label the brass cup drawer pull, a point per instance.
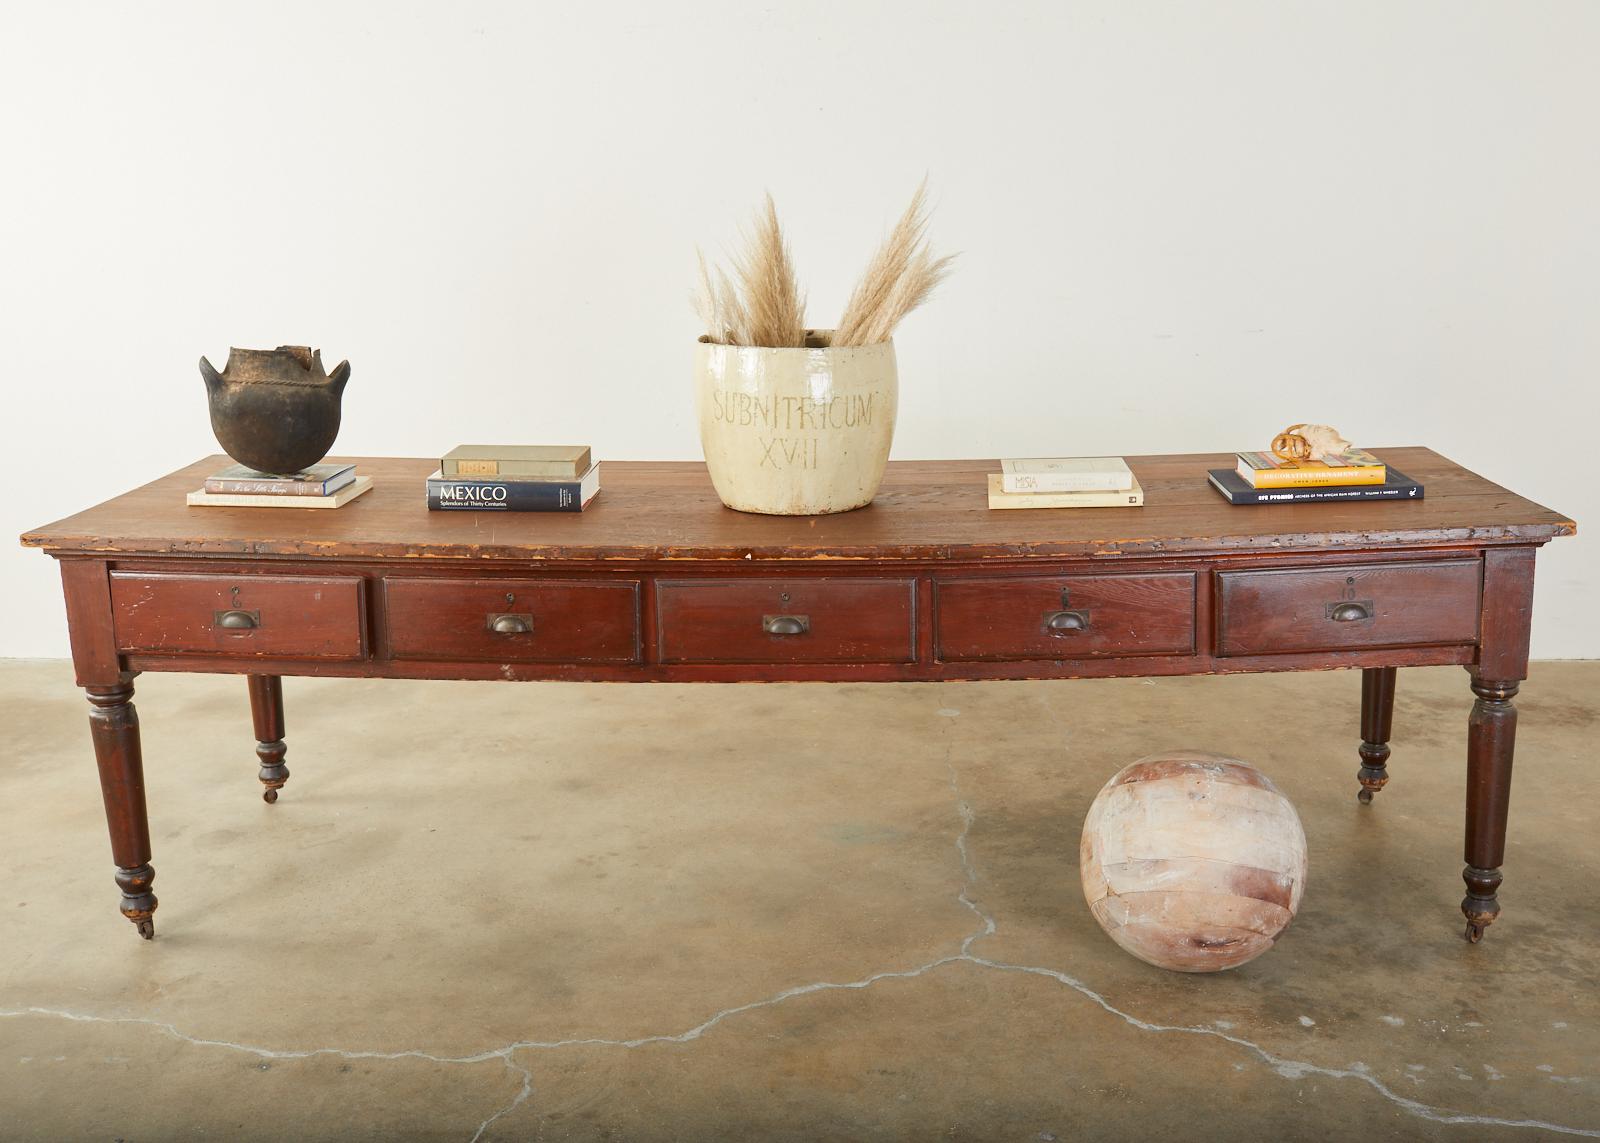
(1351, 611)
(236, 619)
(1067, 622)
(511, 623)
(786, 624)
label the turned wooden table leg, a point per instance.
(114, 726)
(1491, 740)
(266, 711)
(1377, 719)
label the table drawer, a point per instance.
(1345, 607)
(787, 620)
(1064, 616)
(289, 616)
(512, 620)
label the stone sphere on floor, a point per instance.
(1192, 861)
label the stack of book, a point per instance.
(320, 486)
(1354, 474)
(1065, 482)
(514, 478)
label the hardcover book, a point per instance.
(487, 494)
(1066, 474)
(201, 498)
(559, 462)
(1124, 498)
(1237, 490)
(318, 480)
(1352, 466)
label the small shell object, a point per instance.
(1308, 442)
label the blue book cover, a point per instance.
(487, 494)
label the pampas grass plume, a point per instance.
(761, 304)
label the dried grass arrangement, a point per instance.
(760, 303)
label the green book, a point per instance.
(548, 462)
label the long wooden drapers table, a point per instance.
(657, 581)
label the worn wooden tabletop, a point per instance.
(925, 509)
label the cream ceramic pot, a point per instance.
(796, 432)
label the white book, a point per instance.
(1092, 498)
(201, 498)
(1066, 474)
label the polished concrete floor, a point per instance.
(561, 911)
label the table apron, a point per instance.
(822, 621)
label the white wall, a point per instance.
(1182, 227)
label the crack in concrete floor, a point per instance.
(1282, 1066)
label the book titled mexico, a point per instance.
(1237, 490)
(482, 494)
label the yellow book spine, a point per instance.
(1314, 477)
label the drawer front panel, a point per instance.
(787, 621)
(512, 620)
(290, 616)
(1350, 607)
(1064, 617)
